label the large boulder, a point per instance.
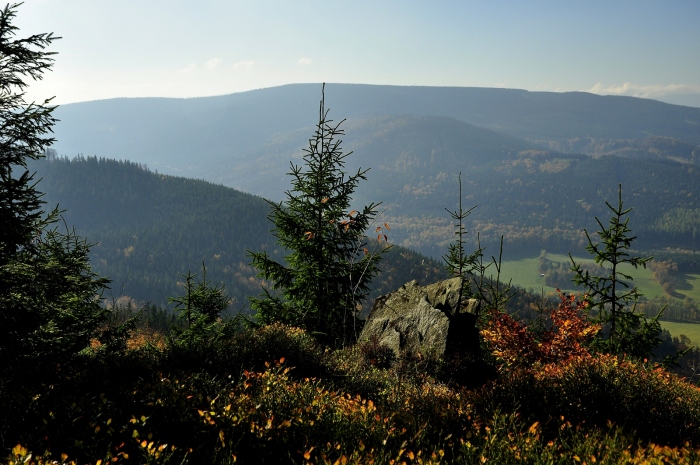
(432, 320)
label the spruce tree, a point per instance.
(24, 133)
(326, 274)
(457, 262)
(612, 297)
(49, 297)
(200, 308)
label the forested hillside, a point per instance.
(149, 229)
(540, 166)
(536, 198)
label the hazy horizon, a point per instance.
(173, 49)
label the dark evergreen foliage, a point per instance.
(49, 297)
(611, 295)
(329, 267)
(200, 310)
(24, 134)
(150, 228)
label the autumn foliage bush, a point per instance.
(515, 344)
(335, 408)
(552, 373)
(645, 400)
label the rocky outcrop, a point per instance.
(432, 320)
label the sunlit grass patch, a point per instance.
(691, 330)
(693, 280)
(524, 273)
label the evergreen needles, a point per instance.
(612, 296)
(49, 297)
(329, 267)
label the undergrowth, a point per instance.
(272, 395)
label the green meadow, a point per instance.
(524, 273)
(691, 286)
(691, 330)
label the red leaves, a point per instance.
(511, 342)
(514, 344)
(573, 328)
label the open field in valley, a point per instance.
(691, 330)
(524, 273)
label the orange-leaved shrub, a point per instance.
(514, 344)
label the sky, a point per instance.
(177, 48)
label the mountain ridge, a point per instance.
(165, 133)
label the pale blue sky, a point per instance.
(177, 48)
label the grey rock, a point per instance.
(432, 320)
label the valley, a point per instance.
(537, 167)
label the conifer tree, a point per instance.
(49, 297)
(329, 267)
(200, 308)
(24, 133)
(457, 262)
(611, 296)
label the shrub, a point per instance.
(515, 344)
(376, 354)
(650, 402)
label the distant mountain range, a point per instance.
(540, 165)
(187, 136)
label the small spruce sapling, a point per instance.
(471, 267)
(494, 293)
(611, 296)
(457, 262)
(200, 309)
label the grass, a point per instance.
(693, 283)
(691, 330)
(524, 273)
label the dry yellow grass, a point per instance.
(143, 337)
(140, 338)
